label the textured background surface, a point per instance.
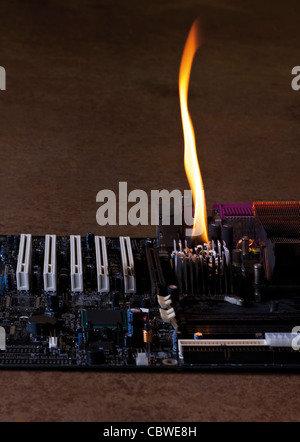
(92, 100)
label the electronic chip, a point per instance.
(103, 318)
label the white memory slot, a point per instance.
(24, 262)
(102, 264)
(50, 269)
(76, 264)
(128, 265)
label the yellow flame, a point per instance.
(191, 164)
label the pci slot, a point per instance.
(102, 264)
(200, 343)
(50, 267)
(76, 264)
(128, 265)
(24, 262)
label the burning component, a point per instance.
(226, 301)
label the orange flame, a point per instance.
(191, 164)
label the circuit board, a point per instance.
(91, 302)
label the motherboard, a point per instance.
(93, 302)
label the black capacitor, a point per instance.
(258, 273)
(214, 232)
(227, 235)
(245, 246)
(95, 355)
(173, 290)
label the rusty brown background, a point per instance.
(92, 100)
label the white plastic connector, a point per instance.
(128, 265)
(102, 264)
(169, 316)
(219, 342)
(236, 300)
(142, 359)
(53, 342)
(76, 264)
(280, 339)
(164, 301)
(50, 268)
(24, 262)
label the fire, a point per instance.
(191, 164)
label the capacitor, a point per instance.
(227, 235)
(95, 355)
(245, 246)
(258, 273)
(135, 319)
(173, 290)
(214, 232)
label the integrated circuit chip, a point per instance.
(103, 318)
